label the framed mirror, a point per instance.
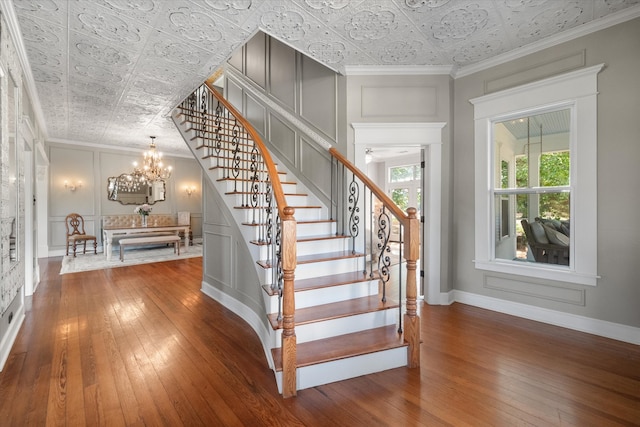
(131, 190)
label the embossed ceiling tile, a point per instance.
(455, 22)
(173, 50)
(107, 26)
(144, 11)
(42, 33)
(603, 8)
(199, 26)
(88, 70)
(234, 11)
(54, 11)
(162, 71)
(542, 22)
(477, 49)
(91, 48)
(371, 22)
(328, 11)
(45, 58)
(78, 87)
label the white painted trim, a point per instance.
(397, 70)
(429, 137)
(10, 337)
(576, 90)
(589, 325)
(246, 314)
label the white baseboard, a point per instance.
(602, 328)
(246, 314)
(10, 337)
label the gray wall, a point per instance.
(93, 166)
(410, 99)
(616, 296)
(293, 102)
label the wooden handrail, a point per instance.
(288, 249)
(278, 192)
(386, 200)
(411, 238)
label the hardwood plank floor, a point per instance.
(141, 345)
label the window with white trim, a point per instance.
(535, 167)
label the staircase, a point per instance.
(343, 326)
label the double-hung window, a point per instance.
(536, 180)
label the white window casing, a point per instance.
(576, 90)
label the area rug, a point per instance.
(87, 262)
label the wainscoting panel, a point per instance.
(395, 101)
(283, 139)
(219, 268)
(315, 165)
(560, 294)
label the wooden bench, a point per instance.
(149, 240)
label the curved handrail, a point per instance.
(278, 192)
(382, 196)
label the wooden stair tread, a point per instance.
(317, 221)
(232, 193)
(264, 207)
(248, 180)
(332, 280)
(343, 346)
(336, 310)
(322, 237)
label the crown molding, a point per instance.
(573, 33)
(397, 70)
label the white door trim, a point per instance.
(427, 136)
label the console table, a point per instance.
(108, 232)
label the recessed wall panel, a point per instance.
(399, 101)
(256, 115)
(282, 73)
(318, 96)
(234, 94)
(536, 290)
(283, 139)
(256, 59)
(316, 166)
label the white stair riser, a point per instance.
(322, 246)
(338, 370)
(307, 214)
(317, 269)
(343, 325)
(292, 199)
(328, 295)
(310, 247)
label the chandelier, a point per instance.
(152, 169)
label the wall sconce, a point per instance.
(190, 189)
(72, 186)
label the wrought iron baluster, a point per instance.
(354, 209)
(384, 260)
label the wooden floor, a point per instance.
(141, 345)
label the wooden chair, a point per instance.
(184, 218)
(75, 233)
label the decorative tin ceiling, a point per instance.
(110, 71)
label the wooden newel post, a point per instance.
(411, 318)
(289, 354)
